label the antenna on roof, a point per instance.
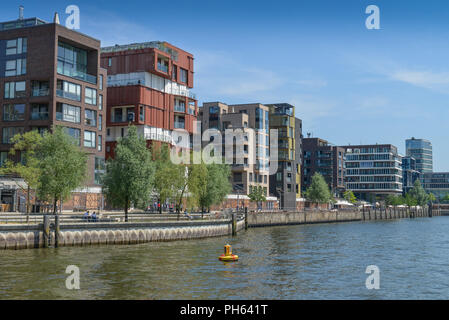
(21, 12)
(308, 134)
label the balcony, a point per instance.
(40, 92)
(179, 125)
(39, 116)
(76, 74)
(180, 108)
(68, 95)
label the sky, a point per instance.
(350, 85)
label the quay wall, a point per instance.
(113, 233)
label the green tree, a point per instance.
(419, 194)
(129, 176)
(445, 198)
(28, 168)
(257, 195)
(349, 196)
(318, 192)
(410, 200)
(209, 184)
(62, 166)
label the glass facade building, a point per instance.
(421, 150)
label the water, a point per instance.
(322, 261)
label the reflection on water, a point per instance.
(323, 261)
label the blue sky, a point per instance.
(349, 84)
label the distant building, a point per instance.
(436, 183)
(409, 173)
(286, 183)
(319, 156)
(421, 150)
(373, 171)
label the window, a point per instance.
(13, 112)
(90, 118)
(40, 88)
(3, 157)
(15, 67)
(162, 65)
(237, 177)
(40, 130)
(15, 90)
(90, 96)
(9, 132)
(89, 139)
(99, 169)
(72, 62)
(66, 112)
(214, 110)
(16, 46)
(74, 133)
(142, 114)
(183, 73)
(100, 143)
(101, 82)
(39, 111)
(100, 122)
(175, 73)
(68, 90)
(100, 102)
(110, 62)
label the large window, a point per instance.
(40, 88)
(90, 96)
(183, 74)
(89, 139)
(90, 118)
(9, 132)
(15, 90)
(39, 111)
(142, 114)
(15, 67)
(16, 46)
(72, 62)
(3, 157)
(99, 169)
(68, 90)
(162, 65)
(13, 112)
(74, 133)
(66, 112)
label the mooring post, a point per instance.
(234, 224)
(57, 228)
(46, 230)
(246, 218)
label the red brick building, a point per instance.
(149, 86)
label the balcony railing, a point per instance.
(179, 125)
(39, 116)
(179, 108)
(40, 92)
(68, 95)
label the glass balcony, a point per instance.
(180, 108)
(68, 95)
(179, 125)
(39, 116)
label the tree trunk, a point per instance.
(54, 204)
(28, 204)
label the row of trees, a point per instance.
(417, 196)
(51, 164)
(137, 173)
(319, 192)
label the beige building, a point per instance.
(250, 151)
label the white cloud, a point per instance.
(424, 79)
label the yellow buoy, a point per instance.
(228, 256)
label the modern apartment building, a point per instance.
(373, 171)
(409, 172)
(286, 183)
(149, 86)
(50, 75)
(421, 150)
(436, 183)
(253, 121)
(326, 159)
